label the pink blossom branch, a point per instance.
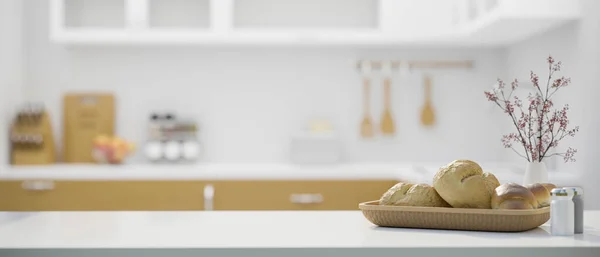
(547, 148)
(537, 131)
(517, 152)
(510, 113)
(567, 156)
(540, 122)
(494, 98)
(529, 127)
(559, 83)
(550, 72)
(551, 142)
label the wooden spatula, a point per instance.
(387, 121)
(427, 112)
(366, 126)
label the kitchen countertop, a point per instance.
(416, 173)
(197, 230)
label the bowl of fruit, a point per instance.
(111, 150)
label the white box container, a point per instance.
(315, 148)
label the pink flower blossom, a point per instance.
(490, 96)
(534, 154)
(534, 79)
(508, 107)
(500, 84)
(514, 84)
(556, 66)
(535, 102)
(569, 154)
(572, 132)
(523, 121)
(507, 140)
(561, 82)
(547, 105)
(518, 102)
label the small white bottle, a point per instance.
(562, 212)
(191, 150)
(172, 150)
(154, 150)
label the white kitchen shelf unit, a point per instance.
(304, 22)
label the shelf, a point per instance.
(460, 23)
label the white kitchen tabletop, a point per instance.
(259, 230)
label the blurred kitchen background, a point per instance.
(273, 90)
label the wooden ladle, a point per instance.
(387, 121)
(366, 125)
(427, 112)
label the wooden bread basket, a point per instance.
(454, 218)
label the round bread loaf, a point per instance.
(549, 186)
(463, 184)
(541, 193)
(406, 194)
(513, 196)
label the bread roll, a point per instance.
(541, 193)
(549, 186)
(405, 194)
(513, 196)
(463, 184)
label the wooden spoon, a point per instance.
(366, 126)
(387, 121)
(427, 112)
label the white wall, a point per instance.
(11, 67)
(251, 100)
(576, 45)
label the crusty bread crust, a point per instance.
(513, 196)
(463, 184)
(541, 193)
(406, 194)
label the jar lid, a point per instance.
(562, 192)
(577, 190)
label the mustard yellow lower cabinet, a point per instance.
(296, 195)
(44, 195)
(100, 195)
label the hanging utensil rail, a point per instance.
(397, 64)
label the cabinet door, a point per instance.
(296, 195)
(100, 195)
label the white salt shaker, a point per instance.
(562, 212)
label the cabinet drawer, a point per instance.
(100, 195)
(296, 195)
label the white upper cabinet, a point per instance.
(306, 22)
(501, 22)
